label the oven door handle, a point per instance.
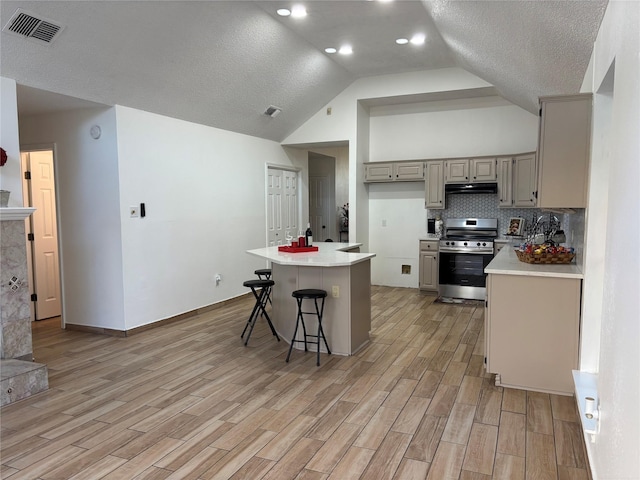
(466, 251)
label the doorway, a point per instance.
(42, 232)
(322, 197)
(282, 205)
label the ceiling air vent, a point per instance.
(27, 25)
(272, 111)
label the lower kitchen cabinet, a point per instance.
(428, 271)
(532, 331)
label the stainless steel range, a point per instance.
(465, 250)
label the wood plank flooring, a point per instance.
(189, 401)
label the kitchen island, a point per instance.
(532, 323)
(345, 274)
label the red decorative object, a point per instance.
(3, 156)
(290, 249)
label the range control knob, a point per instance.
(478, 243)
(465, 244)
(484, 244)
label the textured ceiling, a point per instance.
(222, 63)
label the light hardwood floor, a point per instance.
(189, 401)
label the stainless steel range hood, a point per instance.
(471, 188)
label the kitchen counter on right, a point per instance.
(507, 263)
(532, 323)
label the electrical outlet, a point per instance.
(134, 212)
(335, 291)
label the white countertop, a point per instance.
(329, 254)
(507, 263)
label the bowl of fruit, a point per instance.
(545, 253)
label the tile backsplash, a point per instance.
(486, 206)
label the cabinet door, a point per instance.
(456, 171)
(565, 136)
(524, 180)
(434, 185)
(378, 172)
(428, 271)
(408, 171)
(505, 182)
(483, 169)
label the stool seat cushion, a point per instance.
(259, 283)
(309, 293)
(263, 271)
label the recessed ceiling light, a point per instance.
(346, 50)
(418, 39)
(402, 41)
(330, 50)
(283, 12)
(298, 11)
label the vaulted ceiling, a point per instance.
(222, 63)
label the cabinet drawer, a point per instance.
(429, 245)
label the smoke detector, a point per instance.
(272, 111)
(27, 25)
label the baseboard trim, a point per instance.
(127, 333)
(97, 330)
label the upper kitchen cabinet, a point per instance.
(524, 180)
(404, 171)
(482, 169)
(408, 171)
(456, 170)
(434, 184)
(505, 181)
(464, 170)
(517, 180)
(565, 136)
(378, 172)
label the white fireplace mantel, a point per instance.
(15, 213)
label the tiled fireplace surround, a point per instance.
(20, 377)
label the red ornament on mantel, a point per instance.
(3, 157)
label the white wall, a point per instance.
(614, 454)
(88, 212)
(204, 191)
(10, 178)
(451, 129)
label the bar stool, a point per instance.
(266, 273)
(311, 294)
(261, 300)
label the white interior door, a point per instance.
(291, 203)
(44, 246)
(282, 205)
(320, 208)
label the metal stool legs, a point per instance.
(266, 273)
(300, 320)
(259, 307)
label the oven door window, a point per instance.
(464, 269)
